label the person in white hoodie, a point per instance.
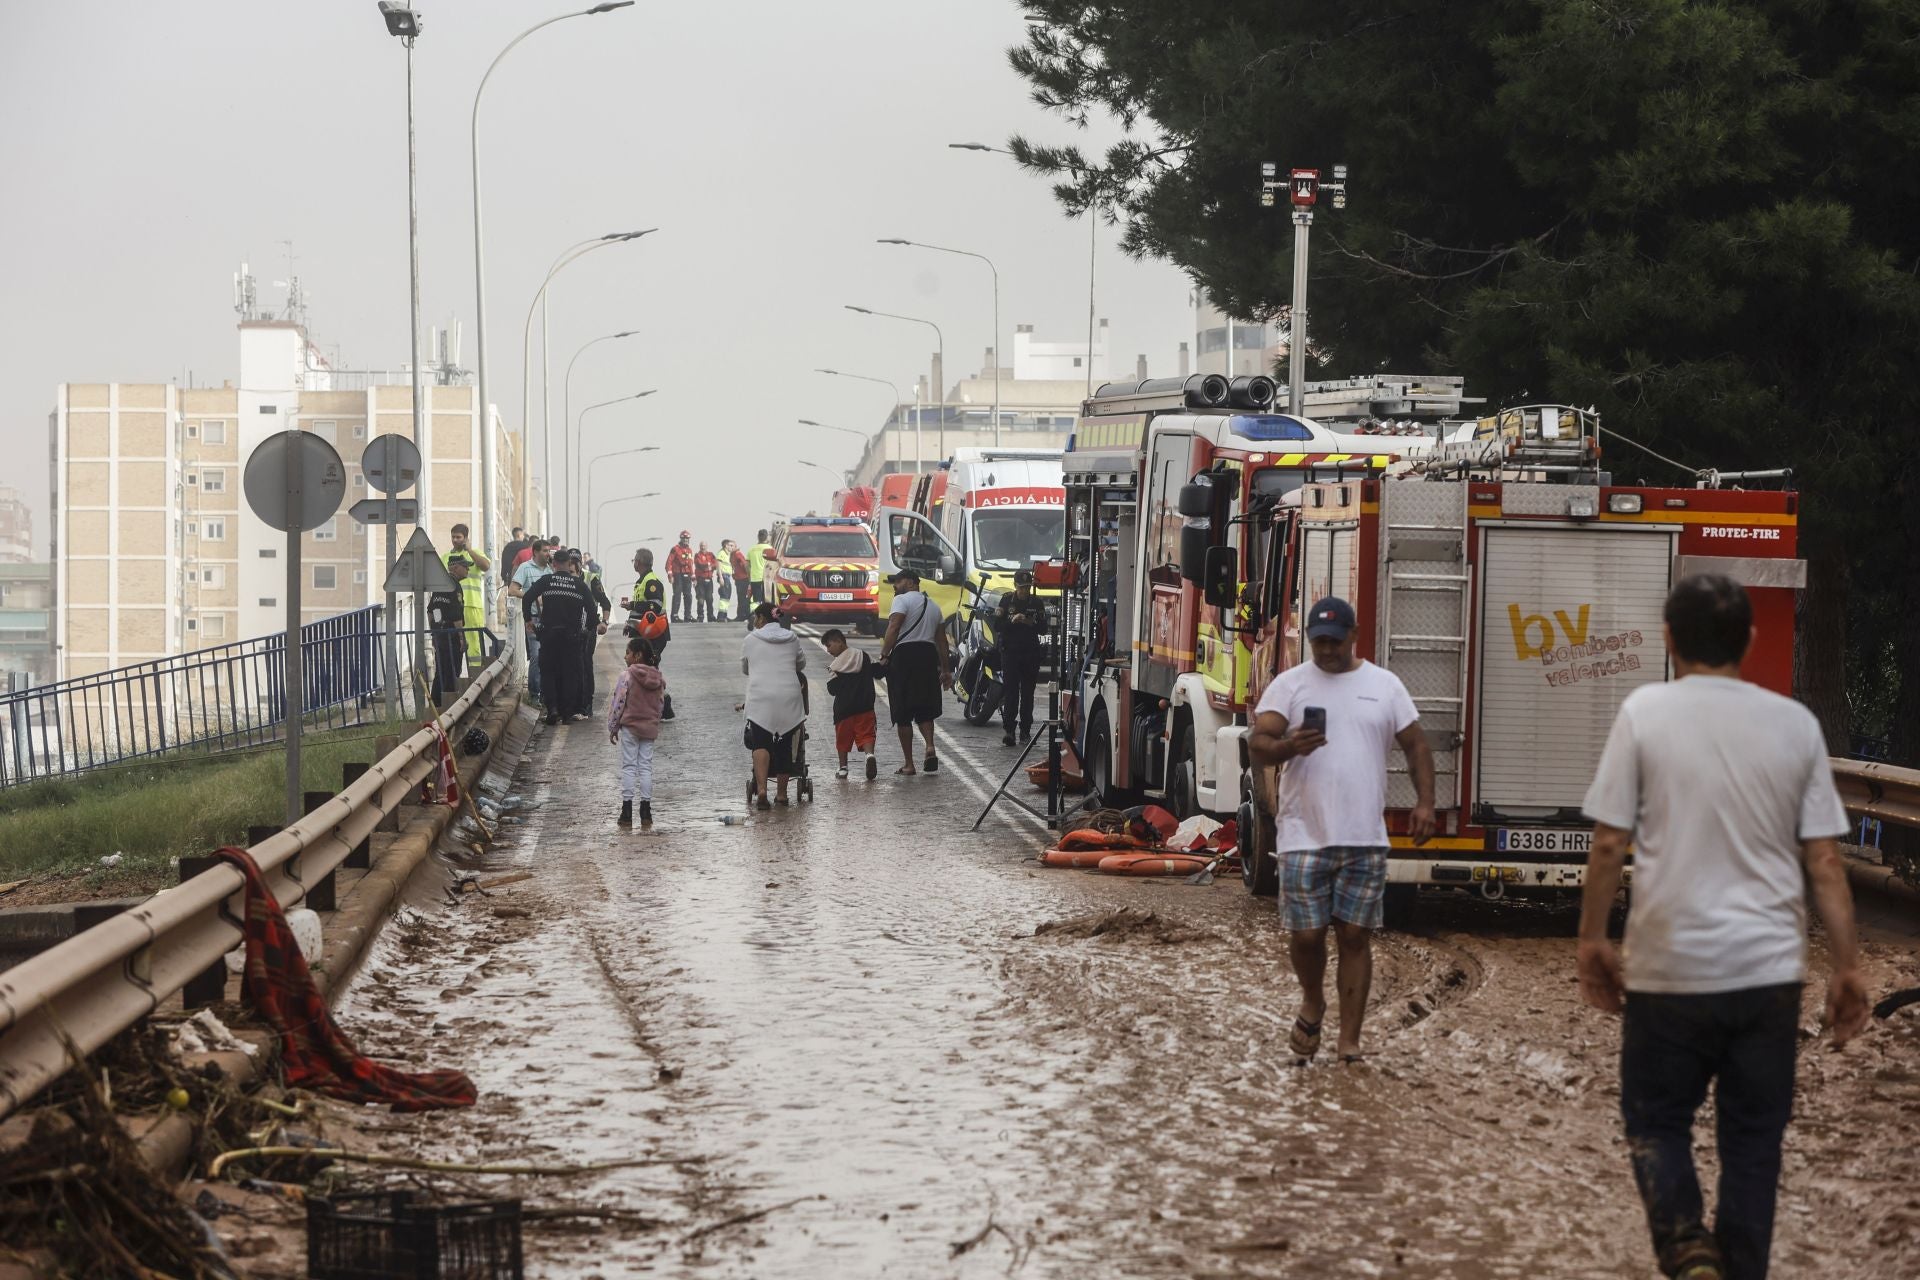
(776, 705)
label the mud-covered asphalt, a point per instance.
(839, 1018)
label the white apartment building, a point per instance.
(154, 548)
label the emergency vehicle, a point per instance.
(827, 571)
(1493, 566)
(987, 514)
(856, 501)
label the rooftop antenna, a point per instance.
(244, 300)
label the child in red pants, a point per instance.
(852, 673)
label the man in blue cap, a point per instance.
(1330, 723)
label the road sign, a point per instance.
(374, 510)
(390, 464)
(297, 492)
(419, 569)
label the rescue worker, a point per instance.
(680, 574)
(588, 570)
(565, 606)
(704, 563)
(742, 601)
(446, 614)
(647, 615)
(1017, 624)
(758, 557)
(473, 613)
(460, 547)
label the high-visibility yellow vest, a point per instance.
(473, 612)
(757, 561)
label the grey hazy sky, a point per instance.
(149, 147)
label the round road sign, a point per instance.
(390, 464)
(295, 481)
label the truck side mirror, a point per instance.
(1196, 540)
(948, 572)
(1196, 498)
(1220, 583)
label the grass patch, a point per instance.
(153, 813)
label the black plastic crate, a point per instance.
(388, 1235)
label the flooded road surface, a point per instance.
(837, 1033)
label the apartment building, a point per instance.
(154, 548)
(16, 527)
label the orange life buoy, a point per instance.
(1081, 859)
(1152, 864)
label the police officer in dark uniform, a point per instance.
(596, 625)
(567, 614)
(1017, 623)
(446, 617)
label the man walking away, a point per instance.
(915, 652)
(680, 574)
(446, 616)
(1331, 722)
(742, 582)
(564, 606)
(510, 555)
(1017, 624)
(537, 565)
(758, 557)
(704, 564)
(1724, 792)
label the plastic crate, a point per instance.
(388, 1235)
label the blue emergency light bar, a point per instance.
(1269, 426)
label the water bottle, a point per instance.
(733, 819)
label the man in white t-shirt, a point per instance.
(1331, 722)
(536, 567)
(1725, 793)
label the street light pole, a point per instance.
(999, 354)
(602, 509)
(602, 457)
(405, 23)
(580, 426)
(571, 452)
(489, 526)
(1303, 187)
(939, 392)
(861, 377)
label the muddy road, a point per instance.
(844, 1034)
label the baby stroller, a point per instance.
(803, 782)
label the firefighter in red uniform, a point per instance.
(703, 567)
(737, 561)
(680, 574)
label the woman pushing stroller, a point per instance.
(776, 705)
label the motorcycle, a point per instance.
(977, 680)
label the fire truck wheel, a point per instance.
(1183, 781)
(1100, 762)
(1258, 870)
(1400, 903)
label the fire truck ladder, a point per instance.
(1425, 597)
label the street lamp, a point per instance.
(580, 427)
(569, 462)
(405, 23)
(489, 526)
(601, 510)
(546, 379)
(861, 377)
(600, 458)
(1093, 230)
(999, 354)
(940, 338)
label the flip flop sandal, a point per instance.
(1350, 1059)
(905, 771)
(1304, 1039)
(762, 804)
(931, 764)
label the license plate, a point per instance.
(1542, 840)
(836, 595)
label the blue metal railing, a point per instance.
(211, 700)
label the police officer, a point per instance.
(566, 610)
(446, 615)
(588, 571)
(1017, 623)
(647, 615)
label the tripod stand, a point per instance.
(1057, 812)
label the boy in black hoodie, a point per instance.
(853, 672)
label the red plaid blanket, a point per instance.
(317, 1053)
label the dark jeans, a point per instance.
(743, 599)
(682, 597)
(534, 665)
(704, 587)
(1672, 1047)
(1018, 677)
(449, 658)
(560, 661)
(588, 644)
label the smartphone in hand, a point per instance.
(1314, 720)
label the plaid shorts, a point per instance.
(1340, 882)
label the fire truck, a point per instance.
(1492, 564)
(855, 500)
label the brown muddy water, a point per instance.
(841, 1019)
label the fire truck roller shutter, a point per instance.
(1570, 624)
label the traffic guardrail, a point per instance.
(98, 983)
(1875, 790)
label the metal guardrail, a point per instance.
(207, 701)
(1882, 791)
(100, 982)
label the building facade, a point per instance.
(16, 527)
(154, 548)
(26, 624)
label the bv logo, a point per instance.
(1533, 633)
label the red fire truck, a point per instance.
(1493, 566)
(856, 501)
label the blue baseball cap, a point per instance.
(1331, 618)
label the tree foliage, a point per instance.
(1697, 217)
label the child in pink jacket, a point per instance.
(633, 722)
